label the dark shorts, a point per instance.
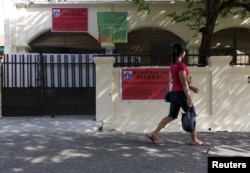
(178, 100)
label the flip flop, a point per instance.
(153, 139)
(201, 143)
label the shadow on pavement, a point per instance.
(112, 152)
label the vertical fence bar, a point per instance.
(66, 70)
(73, 71)
(41, 78)
(28, 70)
(59, 71)
(52, 72)
(80, 70)
(22, 71)
(87, 70)
(14, 70)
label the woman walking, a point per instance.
(180, 94)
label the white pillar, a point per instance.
(104, 90)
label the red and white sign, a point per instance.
(69, 19)
(144, 83)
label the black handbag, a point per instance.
(188, 120)
(167, 96)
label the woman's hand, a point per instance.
(194, 89)
(189, 102)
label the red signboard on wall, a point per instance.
(69, 19)
(144, 83)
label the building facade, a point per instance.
(30, 36)
(28, 28)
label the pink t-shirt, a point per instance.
(175, 68)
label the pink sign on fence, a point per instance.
(144, 83)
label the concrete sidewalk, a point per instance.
(76, 145)
(74, 124)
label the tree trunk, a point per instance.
(204, 51)
(207, 31)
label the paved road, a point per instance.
(75, 145)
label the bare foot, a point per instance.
(198, 143)
(153, 138)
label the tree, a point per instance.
(202, 15)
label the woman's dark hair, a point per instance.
(178, 48)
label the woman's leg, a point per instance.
(161, 125)
(153, 136)
(173, 114)
(194, 139)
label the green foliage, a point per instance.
(142, 5)
(195, 17)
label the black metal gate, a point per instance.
(48, 84)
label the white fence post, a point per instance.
(104, 90)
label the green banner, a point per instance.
(112, 27)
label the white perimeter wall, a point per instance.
(223, 103)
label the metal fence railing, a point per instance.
(32, 70)
(165, 60)
(20, 70)
(68, 70)
(48, 84)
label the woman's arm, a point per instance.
(184, 83)
(170, 82)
